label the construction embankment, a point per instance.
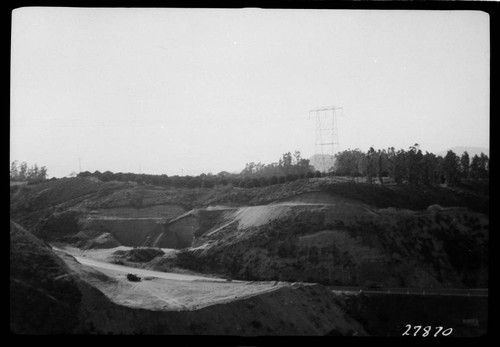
(306, 232)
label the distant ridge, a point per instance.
(472, 151)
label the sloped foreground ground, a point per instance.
(53, 294)
(59, 295)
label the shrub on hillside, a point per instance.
(273, 180)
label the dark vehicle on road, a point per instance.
(133, 278)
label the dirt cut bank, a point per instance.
(318, 230)
(67, 297)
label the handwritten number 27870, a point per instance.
(426, 330)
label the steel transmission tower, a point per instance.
(327, 134)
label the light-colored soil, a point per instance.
(255, 216)
(103, 255)
(259, 215)
(160, 291)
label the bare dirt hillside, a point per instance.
(329, 231)
(316, 230)
(39, 279)
(54, 294)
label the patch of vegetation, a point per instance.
(408, 196)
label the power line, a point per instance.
(327, 134)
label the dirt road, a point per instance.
(162, 291)
(120, 269)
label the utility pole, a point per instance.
(79, 165)
(327, 134)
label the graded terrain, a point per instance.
(246, 261)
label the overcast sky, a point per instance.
(190, 91)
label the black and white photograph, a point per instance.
(249, 172)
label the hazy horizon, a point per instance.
(191, 91)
